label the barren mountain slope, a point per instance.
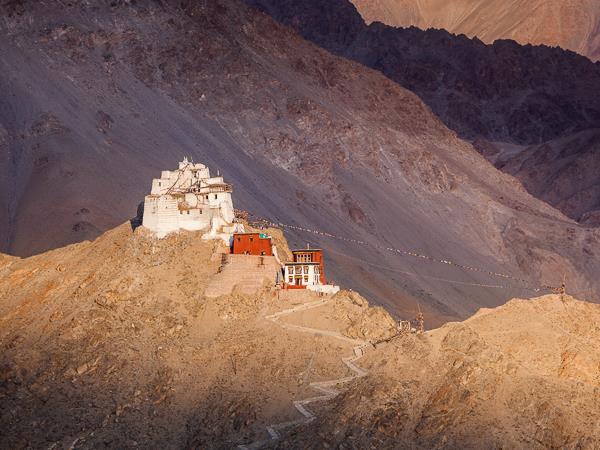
(99, 98)
(564, 172)
(501, 92)
(569, 24)
(114, 344)
(524, 375)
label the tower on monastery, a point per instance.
(190, 199)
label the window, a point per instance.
(239, 239)
(306, 278)
(180, 212)
(159, 185)
(290, 280)
(216, 196)
(303, 257)
(188, 212)
(251, 239)
(305, 269)
(291, 269)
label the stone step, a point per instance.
(246, 272)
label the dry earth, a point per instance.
(524, 375)
(112, 344)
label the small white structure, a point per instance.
(190, 199)
(302, 274)
(324, 288)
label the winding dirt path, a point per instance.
(327, 388)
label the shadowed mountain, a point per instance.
(501, 92)
(502, 96)
(564, 172)
(569, 24)
(98, 98)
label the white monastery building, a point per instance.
(190, 199)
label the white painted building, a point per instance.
(190, 199)
(302, 274)
(307, 271)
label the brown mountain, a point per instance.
(501, 92)
(114, 344)
(569, 24)
(510, 95)
(98, 98)
(563, 172)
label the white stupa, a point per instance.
(190, 199)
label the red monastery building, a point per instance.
(306, 271)
(258, 244)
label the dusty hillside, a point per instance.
(98, 98)
(112, 344)
(524, 375)
(571, 24)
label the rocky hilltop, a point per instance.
(523, 375)
(115, 343)
(572, 24)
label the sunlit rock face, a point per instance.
(569, 24)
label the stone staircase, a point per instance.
(246, 272)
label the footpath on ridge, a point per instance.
(327, 388)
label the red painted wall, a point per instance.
(293, 286)
(251, 244)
